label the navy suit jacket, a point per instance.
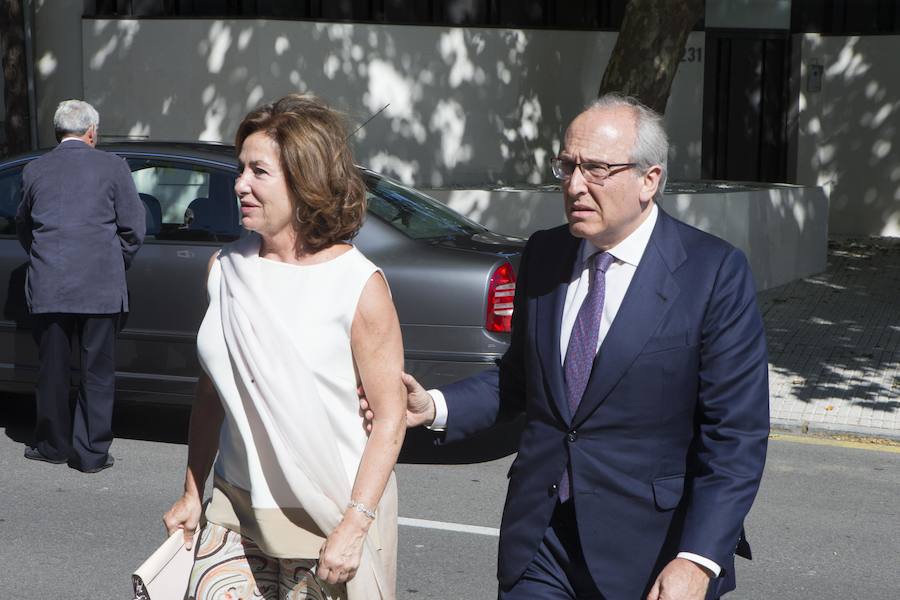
(668, 444)
(81, 222)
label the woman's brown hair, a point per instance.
(327, 192)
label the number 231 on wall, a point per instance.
(693, 54)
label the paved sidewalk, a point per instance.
(834, 343)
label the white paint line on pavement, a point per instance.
(458, 527)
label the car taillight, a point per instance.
(500, 299)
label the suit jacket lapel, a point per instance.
(549, 312)
(650, 295)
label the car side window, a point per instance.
(186, 201)
(10, 197)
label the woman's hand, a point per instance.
(184, 515)
(340, 554)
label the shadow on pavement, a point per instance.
(17, 417)
(420, 446)
(147, 422)
(169, 424)
(836, 335)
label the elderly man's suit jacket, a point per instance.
(81, 221)
(668, 444)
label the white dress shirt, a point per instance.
(627, 254)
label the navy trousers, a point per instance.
(81, 434)
(558, 571)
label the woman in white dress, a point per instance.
(304, 501)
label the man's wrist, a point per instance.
(431, 415)
(439, 408)
(711, 568)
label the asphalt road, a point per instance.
(826, 524)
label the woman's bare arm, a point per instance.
(378, 354)
(203, 444)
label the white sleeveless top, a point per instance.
(276, 343)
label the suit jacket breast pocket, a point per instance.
(665, 343)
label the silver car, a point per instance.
(452, 280)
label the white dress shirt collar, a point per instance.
(630, 250)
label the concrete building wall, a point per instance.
(848, 138)
(467, 106)
(57, 60)
(783, 229)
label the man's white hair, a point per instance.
(74, 117)
(651, 144)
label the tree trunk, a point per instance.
(15, 80)
(649, 48)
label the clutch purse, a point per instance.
(164, 576)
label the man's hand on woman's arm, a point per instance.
(419, 404)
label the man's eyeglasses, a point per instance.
(594, 172)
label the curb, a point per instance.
(812, 427)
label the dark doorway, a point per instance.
(745, 105)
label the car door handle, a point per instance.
(184, 254)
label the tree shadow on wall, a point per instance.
(850, 129)
(836, 336)
(427, 77)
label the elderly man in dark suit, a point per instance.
(81, 222)
(639, 359)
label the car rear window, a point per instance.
(413, 213)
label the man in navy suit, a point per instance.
(81, 222)
(638, 357)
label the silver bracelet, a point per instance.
(360, 507)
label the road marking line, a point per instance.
(817, 441)
(493, 532)
(459, 527)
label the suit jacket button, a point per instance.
(573, 435)
(553, 489)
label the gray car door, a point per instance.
(18, 352)
(191, 211)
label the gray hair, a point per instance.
(74, 117)
(651, 144)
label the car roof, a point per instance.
(208, 150)
(216, 152)
(222, 153)
(193, 149)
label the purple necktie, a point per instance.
(583, 344)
